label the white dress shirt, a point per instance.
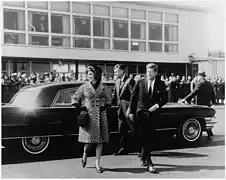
(151, 85)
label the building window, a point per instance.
(14, 3)
(155, 32)
(38, 22)
(82, 42)
(63, 68)
(38, 40)
(37, 4)
(14, 20)
(141, 69)
(138, 30)
(20, 66)
(40, 67)
(60, 24)
(101, 44)
(60, 41)
(82, 25)
(155, 47)
(138, 14)
(120, 28)
(4, 66)
(171, 18)
(120, 12)
(120, 45)
(171, 48)
(61, 6)
(171, 33)
(13, 38)
(138, 46)
(101, 10)
(79, 7)
(101, 27)
(154, 16)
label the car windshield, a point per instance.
(26, 97)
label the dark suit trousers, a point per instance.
(147, 134)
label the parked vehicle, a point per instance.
(40, 112)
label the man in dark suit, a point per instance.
(204, 92)
(148, 96)
(121, 97)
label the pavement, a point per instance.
(205, 159)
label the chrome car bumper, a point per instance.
(210, 121)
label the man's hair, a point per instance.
(152, 66)
(119, 66)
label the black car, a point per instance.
(42, 111)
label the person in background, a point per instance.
(137, 77)
(148, 96)
(95, 97)
(204, 92)
(121, 98)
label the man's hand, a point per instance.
(131, 117)
(153, 108)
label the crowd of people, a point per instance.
(177, 86)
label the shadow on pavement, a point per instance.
(69, 148)
(186, 168)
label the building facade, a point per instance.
(66, 36)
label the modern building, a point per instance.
(63, 36)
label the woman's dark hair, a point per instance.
(97, 71)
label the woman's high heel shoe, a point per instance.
(99, 170)
(84, 163)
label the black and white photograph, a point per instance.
(112, 89)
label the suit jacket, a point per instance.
(141, 100)
(204, 91)
(121, 96)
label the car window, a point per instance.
(64, 98)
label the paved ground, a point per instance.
(204, 159)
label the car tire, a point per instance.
(35, 145)
(190, 131)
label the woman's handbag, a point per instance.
(83, 118)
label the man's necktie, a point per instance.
(150, 88)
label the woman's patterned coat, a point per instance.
(97, 129)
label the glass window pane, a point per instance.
(4, 66)
(173, 18)
(79, 7)
(101, 10)
(82, 42)
(155, 32)
(60, 6)
(38, 40)
(120, 45)
(62, 68)
(40, 67)
(60, 24)
(37, 4)
(154, 16)
(21, 66)
(101, 44)
(60, 41)
(120, 12)
(171, 33)
(138, 46)
(14, 20)
(138, 30)
(14, 3)
(101, 27)
(141, 69)
(13, 38)
(138, 14)
(155, 47)
(82, 25)
(171, 48)
(38, 22)
(120, 29)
